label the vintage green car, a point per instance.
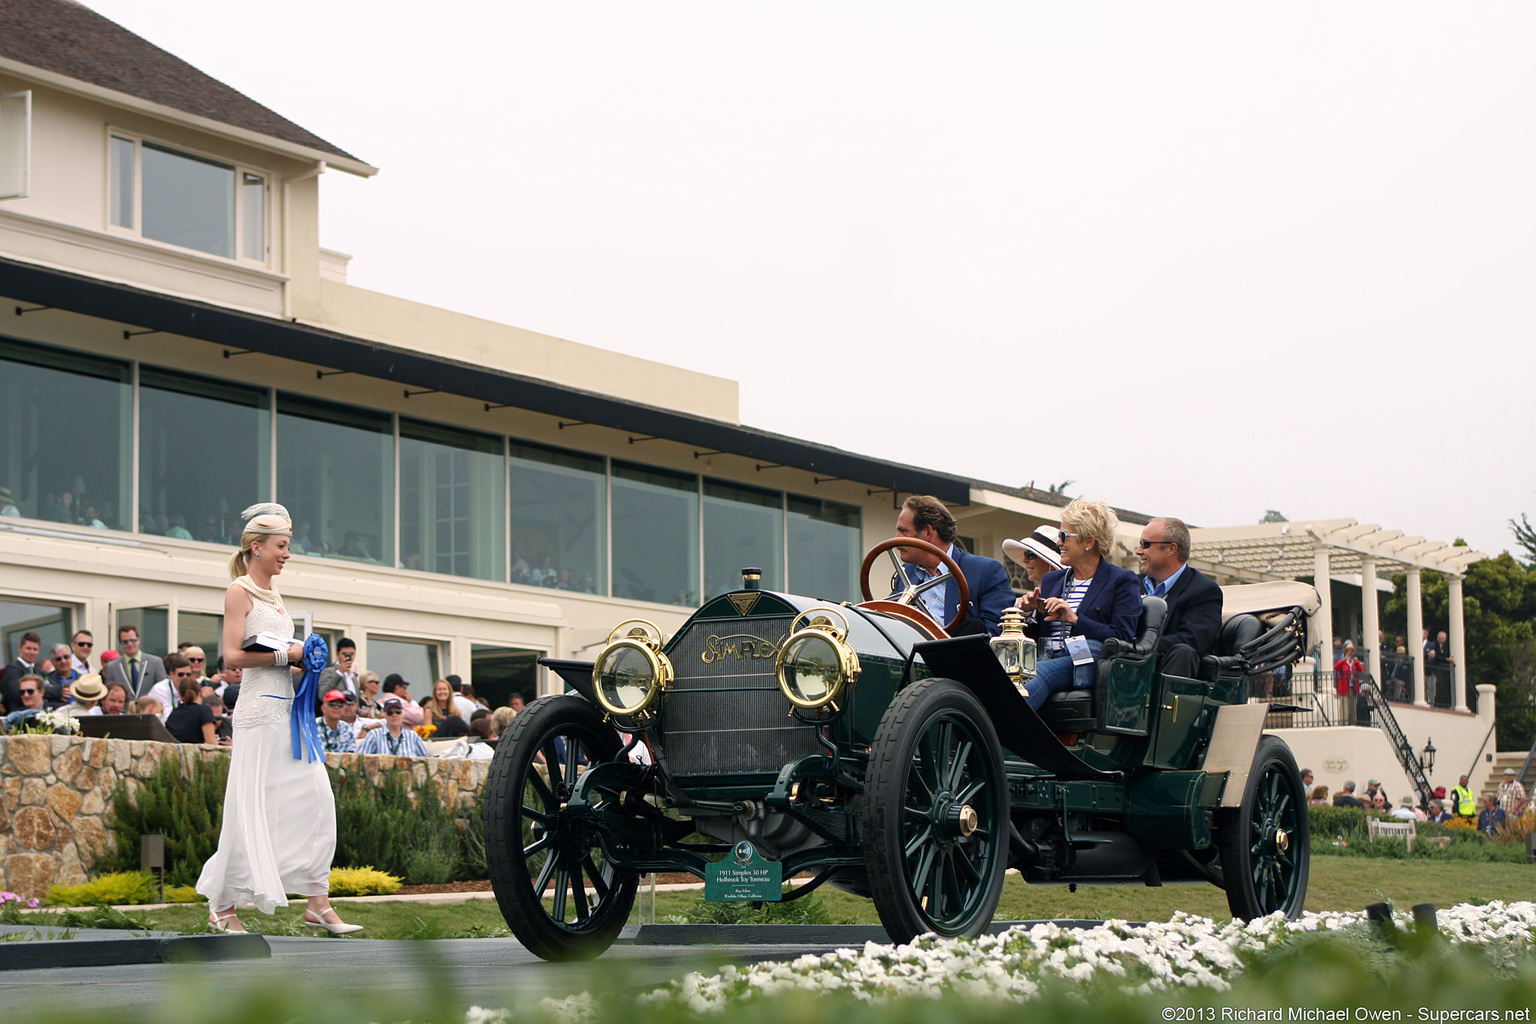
(779, 737)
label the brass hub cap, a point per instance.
(967, 820)
(1282, 840)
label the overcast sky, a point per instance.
(1201, 259)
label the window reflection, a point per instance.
(335, 473)
(187, 201)
(559, 516)
(202, 455)
(66, 423)
(742, 527)
(655, 535)
(824, 548)
(452, 501)
(415, 661)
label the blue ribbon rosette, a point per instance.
(306, 730)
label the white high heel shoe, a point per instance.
(314, 922)
(225, 922)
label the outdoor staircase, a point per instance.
(1406, 755)
(1524, 765)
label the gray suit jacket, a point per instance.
(150, 673)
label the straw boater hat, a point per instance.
(88, 687)
(1041, 543)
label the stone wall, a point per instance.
(56, 798)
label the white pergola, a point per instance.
(1321, 548)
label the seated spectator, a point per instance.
(88, 691)
(116, 700)
(30, 686)
(178, 528)
(1405, 810)
(368, 696)
(1373, 787)
(56, 690)
(1346, 796)
(516, 702)
(482, 728)
(451, 727)
(147, 706)
(1491, 818)
(1379, 803)
(190, 721)
(168, 691)
(501, 718)
(1319, 795)
(336, 733)
(394, 739)
(441, 705)
(1438, 813)
(1079, 607)
(223, 724)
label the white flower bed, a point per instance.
(1012, 965)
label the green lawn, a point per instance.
(1336, 883)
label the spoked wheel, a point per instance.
(936, 819)
(1266, 844)
(559, 896)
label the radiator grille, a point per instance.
(726, 716)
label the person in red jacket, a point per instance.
(1347, 672)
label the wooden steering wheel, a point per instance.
(913, 591)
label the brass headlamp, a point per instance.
(1013, 650)
(816, 664)
(631, 676)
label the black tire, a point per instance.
(532, 843)
(935, 753)
(1266, 844)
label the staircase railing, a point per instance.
(1406, 756)
(1527, 774)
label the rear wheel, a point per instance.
(936, 817)
(1266, 844)
(560, 897)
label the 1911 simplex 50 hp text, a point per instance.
(860, 745)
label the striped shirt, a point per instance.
(1072, 591)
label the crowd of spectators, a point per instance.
(1489, 813)
(356, 712)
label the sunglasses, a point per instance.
(1030, 556)
(84, 643)
(26, 692)
(395, 711)
(1144, 544)
(1062, 535)
(335, 703)
(125, 641)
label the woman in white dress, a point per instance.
(279, 830)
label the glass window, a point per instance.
(336, 475)
(453, 497)
(415, 661)
(65, 436)
(49, 621)
(497, 673)
(559, 519)
(742, 527)
(824, 549)
(253, 216)
(202, 455)
(655, 535)
(187, 200)
(203, 629)
(120, 202)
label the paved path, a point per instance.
(374, 979)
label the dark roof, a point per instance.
(237, 332)
(69, 39)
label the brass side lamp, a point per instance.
(1015, 651)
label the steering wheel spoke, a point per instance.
(910, 594)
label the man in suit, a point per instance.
(135, 669)
(341, 676)
(26, 663)
(926, 518)
(1194, 600)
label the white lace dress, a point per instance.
(279, 832)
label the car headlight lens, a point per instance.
(816, 664)
(631, 675)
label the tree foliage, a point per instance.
(1525, 536)
(1273, 516)
(1499, 607)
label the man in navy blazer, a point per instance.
(1194, 600)
(926, 518)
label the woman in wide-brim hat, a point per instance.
(1038, 553)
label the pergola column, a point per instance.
(1458, 639)
(1370, 620)
(1415, 636)
(1323, 620)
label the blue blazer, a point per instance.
(991, 593)
(1112, 606)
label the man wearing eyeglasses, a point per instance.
(30, 689)
(926, 518)
(80, 651)
(336, 733)
(1194, 600)
(135, 669)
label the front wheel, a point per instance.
(1266, 844)
(936, 816)
(560, 897)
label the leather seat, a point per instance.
(1083, 710)
(1236, 633)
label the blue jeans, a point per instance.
(1060, 674)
